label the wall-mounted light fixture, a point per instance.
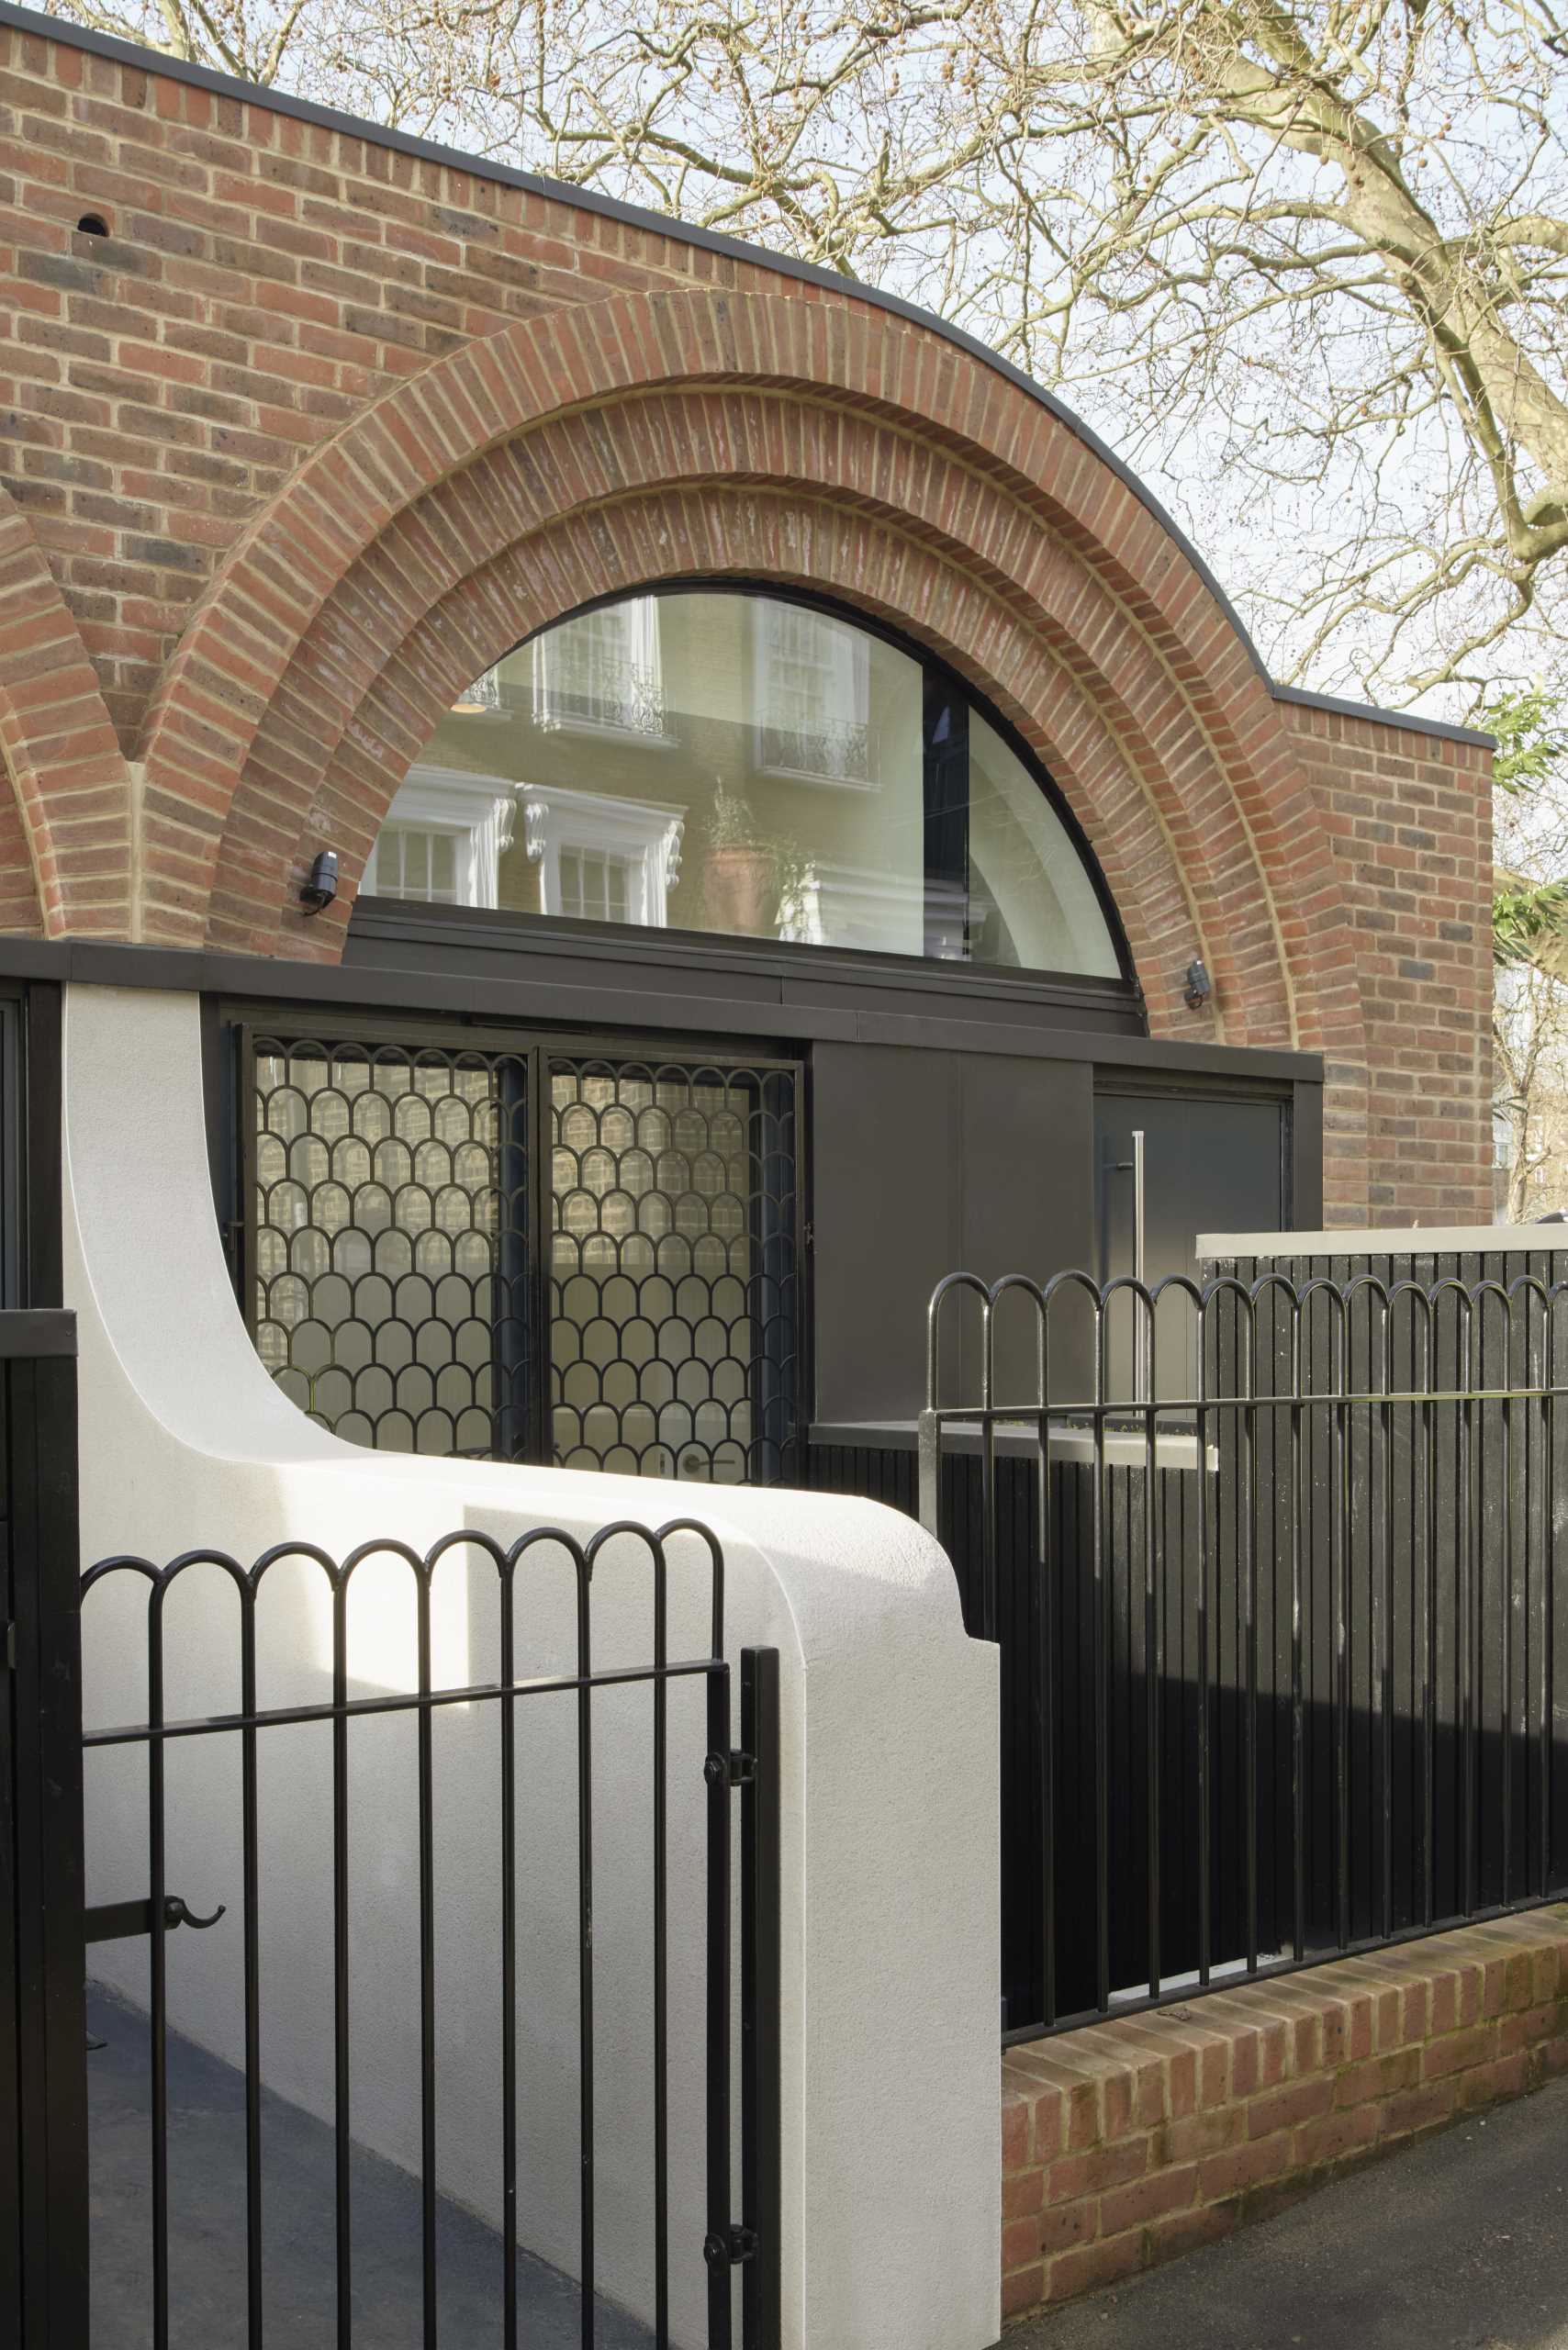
(322, 886)
(1200, 987)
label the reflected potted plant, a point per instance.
(748, 872)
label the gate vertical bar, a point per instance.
(509, 1958)
(1429, 1624)
(158, 1973)
(585, 1950)
(761, 2086)
(717, 2247)
(250, 1888)
(1045, 1679)
(661, 1952)
(427, 1968)
(1382, 1635)
(340, 2090)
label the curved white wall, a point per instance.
(891, 2167)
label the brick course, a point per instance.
(1190, 2122)
(322, 428)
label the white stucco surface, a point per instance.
(890, 2156)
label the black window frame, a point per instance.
(234, 1025)
(941, 684)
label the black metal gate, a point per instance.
(43, 2188)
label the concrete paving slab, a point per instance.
(206, 2234)
(1461, 2244)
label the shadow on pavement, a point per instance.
(207, 2202)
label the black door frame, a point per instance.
(43, 2030)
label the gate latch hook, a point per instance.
(175, 1913)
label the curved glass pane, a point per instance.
(734, 763)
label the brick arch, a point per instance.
(997, 499)
(382, 701)
(664, 540)
(65, 825)
(338, 790)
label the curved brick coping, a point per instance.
(1126, 2144)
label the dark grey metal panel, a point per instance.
(921, 1162)
(1028, 1196)
(387, 933)
(1306, 1156)
(886, 1192)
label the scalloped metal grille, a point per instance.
(389, 1255)
(410, 1289)
(674, 1278)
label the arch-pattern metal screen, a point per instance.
(388, 1258)
(412, 1287)
(674, 1280)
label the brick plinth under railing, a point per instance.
(1127, 2143)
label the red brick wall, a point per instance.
(1126, 2144)
(1410, 818)
(323, 429)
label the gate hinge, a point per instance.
(739, 1769)
(721, 2252)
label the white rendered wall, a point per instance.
(890, 1893)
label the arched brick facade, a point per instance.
(65, 825)
(701, 434)
(334, 426)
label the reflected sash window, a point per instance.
(814, 676)
(412, 862)
(602, 670)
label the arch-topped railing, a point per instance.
(1276, 1565)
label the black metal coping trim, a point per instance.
(28, 1332)
(635, 215)
(486, 931)
(562, 1000)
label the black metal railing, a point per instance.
(708, 1757)
(1282, 1619)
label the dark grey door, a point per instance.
(1211, 1163)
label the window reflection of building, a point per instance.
(484, 693)
(812, 682)
(750, 766)
(842, 905)
(602, 669)
(602, 859)
(443, 839)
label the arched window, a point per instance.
(729, 761)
